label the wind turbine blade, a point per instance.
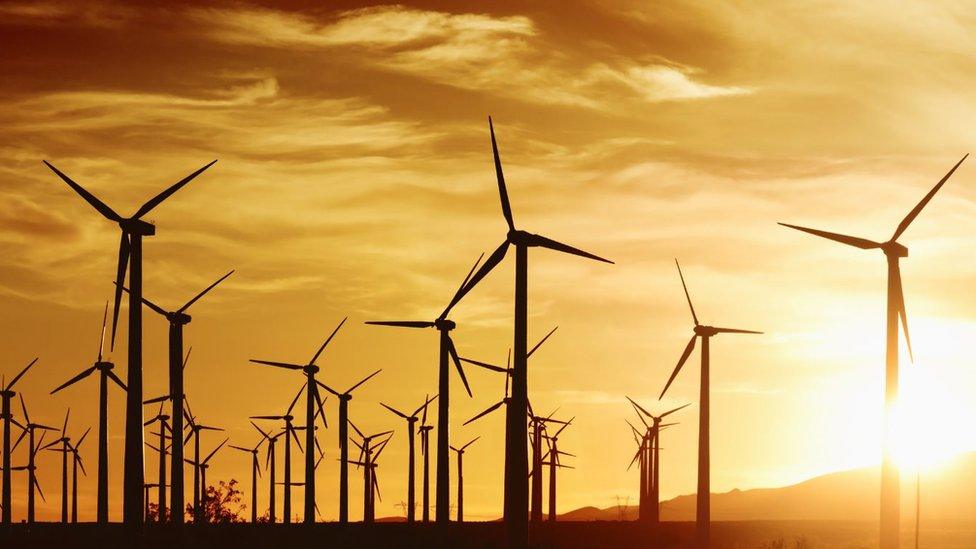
(21, 374)
(23, 433)
(82, 439)
(297, 395)
(186, 359)
(322, 348)
(321, 405)
(539, 240)
(855, 241)
(23, 407)
(395, 411)
(500, 176)
(354, 428)
(260, 430)
(39, 491)
(491, 409)
(687, 295)
(484, 365)
(101, 339)
(918, 208)
(735, 331)
(364, 380)
(278, 364)
(77, 378)
(159, 198)
(900, 297)
(64, 427)
(204, 292)
(267, 417)
(681, 362)
(493, 260)
(402, 323)
(211, 454)
(248, 450)
(147, 303)
(326, 387)
(470, 443)
(541, 341)
(119, 283)
(424, 406)
(457, 364)
(460, 291)
(669, 412)
(90, 198)
(567, 424)
(639, 407)
(423, 420)
(111, 375)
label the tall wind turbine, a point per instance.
(344, 423)
(553, 453)
(65, 442)
(163, 450)
(269, 464)
(411, 421)
(893, 251)
(289, 431)
(424, 432)
(105, 372)
(177, 320)
(76, 462)
(703, 501)
(653, 434)
(368, 461)
(255, 473)
(130, 257)
(460, 475)
(30, 428)
(313, 407)
(442, 489)
(7, 393)
(516, 426)
(201, 515)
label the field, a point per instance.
(485, 535)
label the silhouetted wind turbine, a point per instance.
(894, 251)
(538, 425)
(269, 463)
(194, 433)
(460, 475)
(177, 320)
(424, 431)
(344, 423)
(703, 514)
(653, 435)
(255, 473)
(313, 407)
(6, 394)
(65, 442)
(33, 447)
(130, 254)
(163, 420)
(516, 435)
(442, 489)
(104, 368)
(289, 435)
(554, 452)
(411, 420)
(203, 466)
(641, 457)
(76, 462)
(367, 460)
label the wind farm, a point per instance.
(416, 196)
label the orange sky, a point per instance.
(355, 179)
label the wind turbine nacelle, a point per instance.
(310, 369)
(138, 227)
(705, 331)
(520, 237)
(104, 366)
(895, 249)
(178, 318)
(7, 394)
(444, 324)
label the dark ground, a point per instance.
(477, 535)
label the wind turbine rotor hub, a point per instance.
(519, 237)
(895, 249)
(311, 369)
(7, 394)
(346, 396)
(178, 318)
(104, 366)
(137, 227)
(444, 324)
(705, 331)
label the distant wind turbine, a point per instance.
(255, 473)
(201, 515)
(411, 421)
(33, 447)
(653, 434)
(460, 481)
(7, 393)
(289, 431)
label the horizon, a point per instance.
(355, 179)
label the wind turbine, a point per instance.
(516, 426)
(163, 420)
(269, 464)
(291, 485)
(194, 433)
(289, 435)
(255, 473)
(460, 485)
(76, 462)
(367, 460)
(65, 442)
(104, 368)
(424, 432)
(554, 452)
(894, 252)
(653, 434)
(33, 447)
(344, 423)
(130, 257)
(703, 511)
(641, 457)
(313, 407)
(6, 394)
(411, 420)
(177, 320)
(202, 466)
(442, 489)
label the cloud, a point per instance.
(89, 14)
